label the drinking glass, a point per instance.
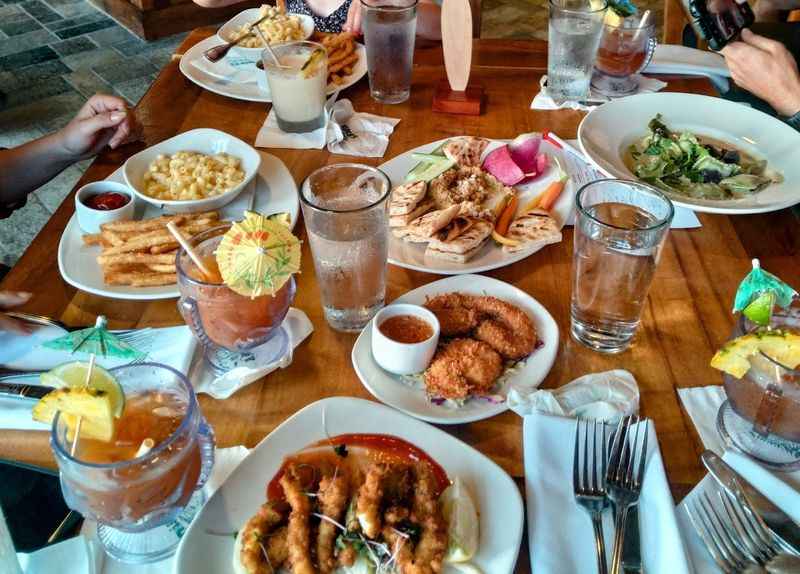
(390, 27)
(344, 207)
(137, 501)
(625, 50)
(298, 95)
(619, 232)
(573, 36)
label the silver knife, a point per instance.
(631, 546)
(781, 525)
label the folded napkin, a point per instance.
(298, 327)
(560, 532)
(173, 346)
(543, 101)
(371, 132)
(603, 396)
(234, 69)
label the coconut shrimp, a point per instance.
(456, 317)
(505, 327)
(263, 549)
(299, 534)
(370, 496)
(333, 499)
(463, 367)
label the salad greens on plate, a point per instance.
(688, 165)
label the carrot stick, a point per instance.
(504, 221)
(550, 195)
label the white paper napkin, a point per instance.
(372, 132)
(602, 396)
(298, 326)
(543, 101)
(560, 532)
(234, 69)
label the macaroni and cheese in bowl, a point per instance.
(278, 27)
(198, 170)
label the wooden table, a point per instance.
(687, 315)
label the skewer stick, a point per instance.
(75, 438)
(189, 250)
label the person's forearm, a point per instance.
(27, 167)
(215, 3)
(429, 21)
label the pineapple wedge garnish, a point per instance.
(93, 405)
(781, 346)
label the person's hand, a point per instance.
(9, 300)
(766, 69)
(353, 23)
(102, 121)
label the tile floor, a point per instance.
(56, 53)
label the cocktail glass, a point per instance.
(297, 86)
(389, 31)
(344, 207)
(625, 50)
(137, 501)
(234, 329)
(574, 33)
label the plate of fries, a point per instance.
(136, 259)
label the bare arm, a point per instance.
(215, 3)
(29, 166)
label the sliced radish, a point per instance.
(501, 165)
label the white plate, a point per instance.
(202, 140)
(490, 256)
(275, 191)
(606, 133)
(227, 32)
(251, 91)
(390, 388)
(495, 494)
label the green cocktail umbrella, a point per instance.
(97, 340)
(759, 293)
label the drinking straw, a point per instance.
(80, 418)
(176, 233)
(642, 25)
(146, 446)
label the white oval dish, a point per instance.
(91, 219)
(204, 140)
(227, 32)
(404, 358)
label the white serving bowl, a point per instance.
(90, 219)
(404, 358)
(203, 140)
(227, 33)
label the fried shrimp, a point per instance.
(455, 315)
(370, 496)
(263, 547)
(333, 498)
(299, 535)
(505, 327)
(461, 368)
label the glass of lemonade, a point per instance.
(619, 232)
(297, 84)
(137, 498)
(344, 207)
(626, 47)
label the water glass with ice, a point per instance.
(574, 31)
(620, 229)
(390, 27)
(344, 207)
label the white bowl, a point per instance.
(90, 219)
(227, 33)
(404, 358)
(203, 140)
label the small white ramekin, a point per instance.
(90, 219)
(404, 358)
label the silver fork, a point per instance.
(624, 479)
(733, 536)
(589, 484)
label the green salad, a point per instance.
(682, 163)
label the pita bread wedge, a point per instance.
(464, 247)
(405, 198)
(466, 151)
(402, 220)
(534, 228)
(423, 228)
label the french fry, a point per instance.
(340, 55)
(135, 258)
(166, 248)
(334, 79)
(157, 222)
(111, 237)
(93, 239)
(351, 59)
(162, 268)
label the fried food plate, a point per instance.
(272, 190)
(204, 551)
(490, 256)
(393, 391)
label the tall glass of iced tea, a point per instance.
(626, 47)
(136, 484)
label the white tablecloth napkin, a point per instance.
(234, 69)
(560, 532)
(543, 101)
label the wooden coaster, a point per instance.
(469, 102)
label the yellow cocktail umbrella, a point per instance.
(258, 255)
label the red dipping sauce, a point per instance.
(107, 201)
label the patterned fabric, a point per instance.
(331, 23)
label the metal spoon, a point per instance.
(216, 53)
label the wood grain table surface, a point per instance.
(687, 315)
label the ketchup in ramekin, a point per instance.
(107, 201)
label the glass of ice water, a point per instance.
(619, 231)
(344, 207)
(574, 31)
(390, 27)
